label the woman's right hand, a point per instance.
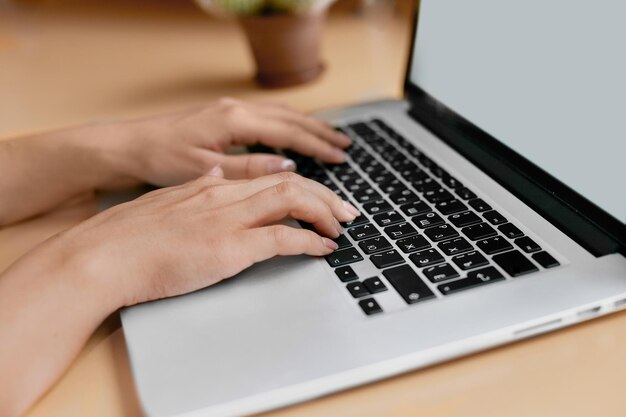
(180, 239)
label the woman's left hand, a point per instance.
(175, 148)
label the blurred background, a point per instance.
(71, 61)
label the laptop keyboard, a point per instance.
(427, 234)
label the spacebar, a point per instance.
(405, 280)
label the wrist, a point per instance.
(107, 149)
(69, 271)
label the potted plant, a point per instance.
(284, 36)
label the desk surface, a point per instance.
(70, 61)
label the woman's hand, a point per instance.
(40, 172)
(175, 148)
(180, 239)
(168, 242)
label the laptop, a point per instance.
(493, 208)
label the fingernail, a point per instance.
(351, 209)
(329, 243)
(216, 171)
(338, 155)
(280, 165)
(345, 138)
(338, 227)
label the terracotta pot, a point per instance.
(286, 48)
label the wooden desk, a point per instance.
(64, 62)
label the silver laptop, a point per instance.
(493, 204)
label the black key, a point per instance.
(441, 232)
(357, 289)
(388, 218)
(392, 186)
(377, 206)
(417, 177)
(455, 246)
(493, 245)
(514, 263)
(404, 196)
(412, 244)
(438, 195)
(405, 280)
(466, 218)
(479, 205)
(437, 171)
(546, 260)
(375, 244)
(426, 161)
(370, 306)
(356, 181)
(415, 208)
(372, 166)
(426, 257)
(413, 173)
(384, 178)
(400, 230)
(346, 273)
(356, 187)
(385, 259)
(451, 182)
(343, 257)
(343, 242)
(363, 232)
(366, 195)
(509, 230)
(359, 220)
(465, 193)
(425, 184)
(450, 207)
(440, 272)
(494, 217)
(348, 176)
(376, 171)
(474, 279)
(374, 285)
(470, 260)
(401, 163)
(478, 231)
(427, 220)
(326, 182)
(527, 244)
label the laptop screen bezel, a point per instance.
(582, 220)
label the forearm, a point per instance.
(40, 172)
(48, 309)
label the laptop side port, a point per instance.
(620, 303)
(589, 312)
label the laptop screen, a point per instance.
(546, 78)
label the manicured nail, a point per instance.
(338, 227)
(338, 155)
(329, 243)
(280, 165)
(351, 209)
(344, 138)
(216, 171)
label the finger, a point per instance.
(279, 240)
(234, 190)
(342, 210)
(254, 165)
(280, 134)
(317, 127)
(286, 199)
